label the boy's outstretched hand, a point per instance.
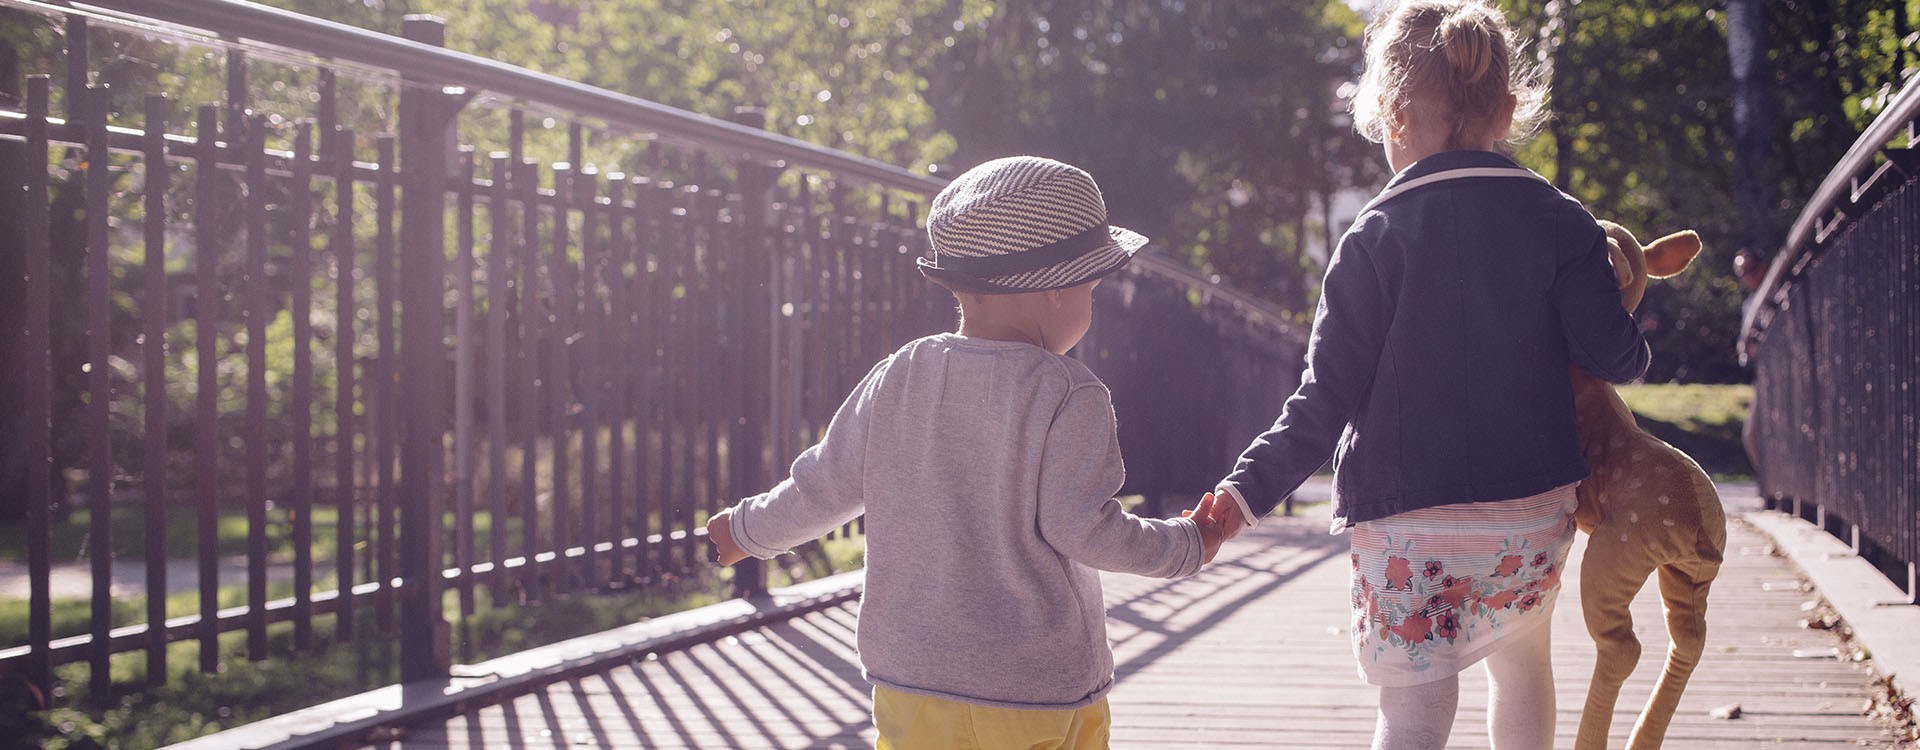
(720, 532)
(1214, 530)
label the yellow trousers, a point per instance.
(916, 722)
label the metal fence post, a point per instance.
(426, 130)
(756, 179)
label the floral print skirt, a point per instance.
(1437, 589)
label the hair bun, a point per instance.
(1468, 42)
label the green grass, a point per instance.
(1705, 421)
(1691, 406)
(72, 537)
(74, 616)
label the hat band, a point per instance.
(1007, 264)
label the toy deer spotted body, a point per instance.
(1646, 508)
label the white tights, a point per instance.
(1520, 701)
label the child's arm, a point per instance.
(1080, 470)
(826, 488)
(1349, 330)
(1602, 337)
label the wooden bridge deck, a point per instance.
(1251, 652)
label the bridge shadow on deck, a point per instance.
(797, 683)
(1251, 652)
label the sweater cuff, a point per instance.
(738, 523)
(1196, 549)
(1245, 511)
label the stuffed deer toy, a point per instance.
(1646, 508)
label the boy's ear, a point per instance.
(1672, 254)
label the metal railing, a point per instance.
(1833, 334)
(414, 369)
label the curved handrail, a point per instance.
(329, 39)
(240, 19)
(1834, 191)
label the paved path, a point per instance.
(1251, 652)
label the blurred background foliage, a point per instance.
(1219, 128)
(1216, 127)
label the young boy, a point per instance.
(986, 463)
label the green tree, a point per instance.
(1642, 130)
(1214, 128)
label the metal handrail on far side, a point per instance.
(329, 39)
(1838, 193)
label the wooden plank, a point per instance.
(1250, 652)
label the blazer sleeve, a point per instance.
(827, 485)
(1349, 329)
(1602, 337)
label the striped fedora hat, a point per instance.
(1023, 224)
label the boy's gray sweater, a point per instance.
(987, 471)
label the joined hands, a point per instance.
(1218, 518)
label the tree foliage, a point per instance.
(1214, 128)
(1642, 131)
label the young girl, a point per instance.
(1438, 362)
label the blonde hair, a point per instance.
(1456, 59)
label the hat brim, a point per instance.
(1120, 247)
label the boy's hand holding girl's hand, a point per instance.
(720, 532)
(1218, 518)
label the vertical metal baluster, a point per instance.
(587, 188)
(560, 374)
(688, 324)
(463, 380)
(647, 325)
(206, 310)
(326, 114)
(526, 183)
(300, 244)
(385, 427)
(499, 247)
(259, 309)
(676, 435)
(39, 396)
(793, 349)
(618, 346)
(155, 317)
(77, 66)
(711, 398)
(93, 121)
(740, 295)
(887, 261)
(703, 216)
(237, 97)
(346, 490)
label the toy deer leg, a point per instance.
(1608, 583)
(1683, 588)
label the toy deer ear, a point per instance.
(1671, 254)
(1622, 268)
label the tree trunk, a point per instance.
(1562, 22)
(1753, 171)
